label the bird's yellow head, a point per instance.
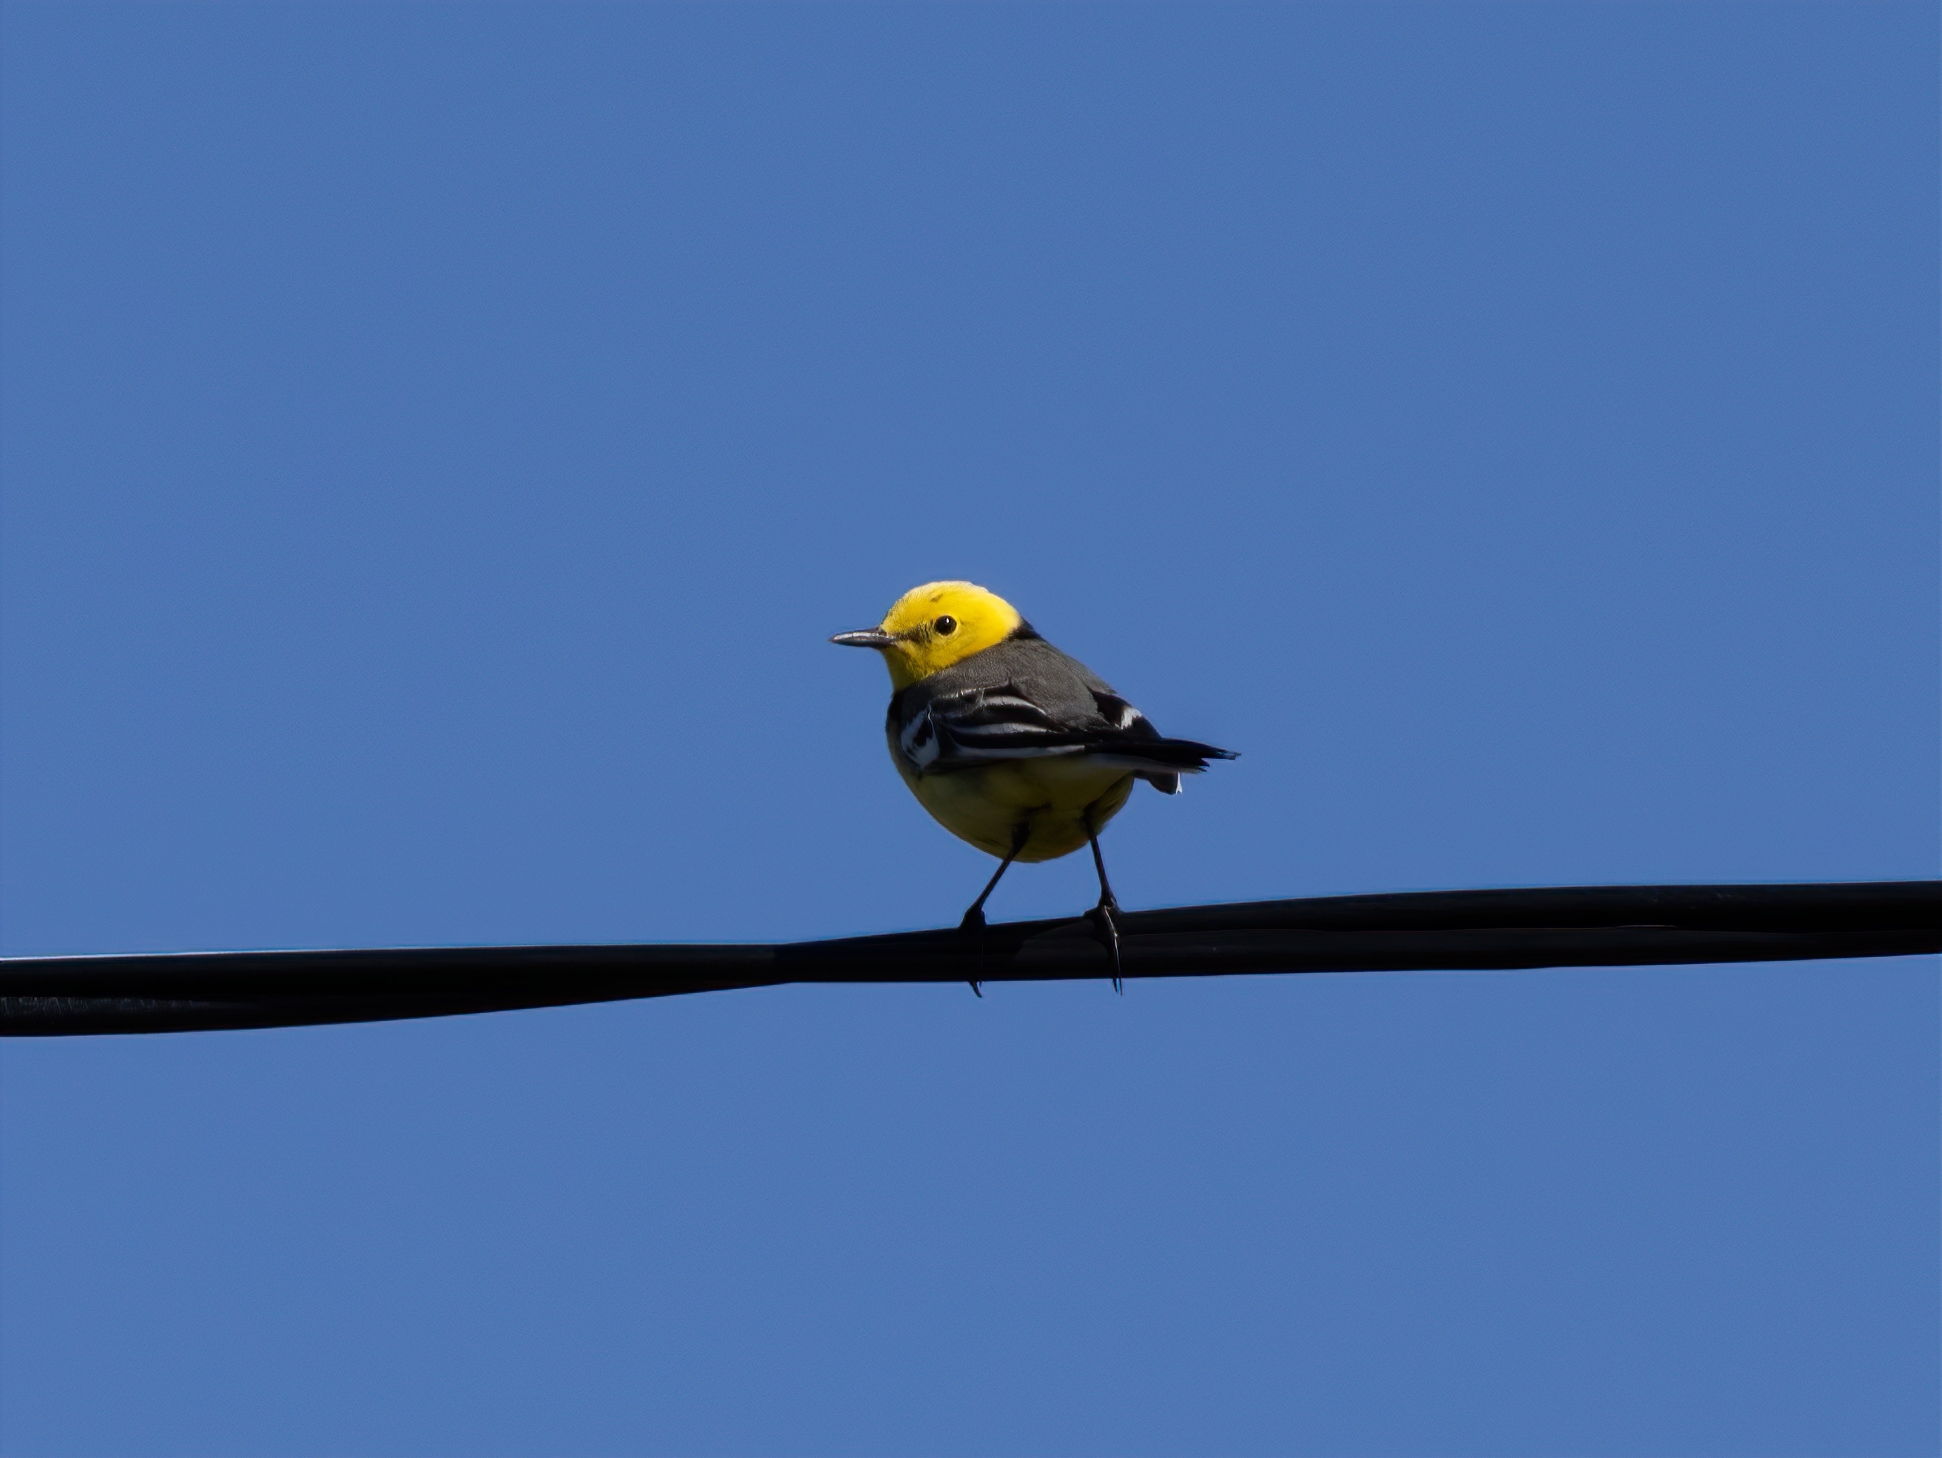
(931, 627)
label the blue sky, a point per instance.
(437, 442)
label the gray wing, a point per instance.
(1023, 699)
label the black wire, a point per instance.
(1573, 926)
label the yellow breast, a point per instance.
(1050, 796)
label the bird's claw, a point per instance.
(973, 925)
(1106, 929)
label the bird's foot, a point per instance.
(973, 926)
(1105, 927)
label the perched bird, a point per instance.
(1009, 743)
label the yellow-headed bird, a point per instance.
(1009, 743)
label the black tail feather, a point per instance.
(1186, 754)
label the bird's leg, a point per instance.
(1101, 916)
(974, 918)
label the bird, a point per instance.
(1010, 744)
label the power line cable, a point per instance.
(1568, 926)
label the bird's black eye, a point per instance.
(946, 625)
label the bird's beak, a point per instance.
(866, 638)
